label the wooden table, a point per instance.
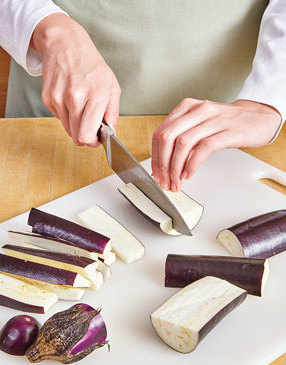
(39, 163)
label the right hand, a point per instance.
(79, 88)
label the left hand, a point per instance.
(195, 129)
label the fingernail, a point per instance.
(165, 186)
(184, 175)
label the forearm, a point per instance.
(18, 19)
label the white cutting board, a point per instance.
(227, 186)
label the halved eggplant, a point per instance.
(189, 209)
(126, 246)
(259, 237)
(49, 243)
(103, 268)
(82, 265)
(189, 315)
(247, 273)
(52, 226)
(22, 296)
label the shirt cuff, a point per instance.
(30, 59)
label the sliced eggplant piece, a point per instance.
(189, 209)
(74, 234)
(259, 237)
(189, 315)
(99, 281)
(109, 258)
(126, 246)
(247, 273)
(48, 243)
(82, 265)
(25, 297)
(103, 268)
(39, 272)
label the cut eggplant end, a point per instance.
(124, 244)
(190, 210)
(109, 258)
(104, 269)
(189, 315)
(17, 294)
(230, 242)
(99, 281)
(48, 243)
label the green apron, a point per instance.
(160, 51)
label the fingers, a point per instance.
(111, 114)
(184, 145)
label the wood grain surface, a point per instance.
(39, 163)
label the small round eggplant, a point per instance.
(18, 334)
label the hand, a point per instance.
(195, 129)
(79, 88)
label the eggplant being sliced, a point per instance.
(189, 315)
(259, 237)
(25, 297)
(247, 273)
(82, 265)
(125, 245)
(74, 234)
(189, 209)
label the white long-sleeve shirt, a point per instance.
(265, 84)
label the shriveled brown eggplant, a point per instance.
(69, 336)
(258, 237)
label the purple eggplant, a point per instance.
(18, 334)
(69, 336)
(258, 237)
(189, 315)
(248, 274)
(52, 226)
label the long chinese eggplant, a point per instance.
(22, 296)
(260, 237)
(189, 315)
(74, 234)
(190, 210)
(82, 265)
(247, 273)
(125, 245)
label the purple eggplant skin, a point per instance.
(262, 236)
(33, 270)
(220, 315)
(20, 306)
(246, 273)
(61, 257)
(18, 334)
(69, 336)
(50, 225)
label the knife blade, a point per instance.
(124, 164)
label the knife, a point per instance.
(124, 164)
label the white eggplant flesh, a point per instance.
(99, 281)
(49, 243)
(17, 294)
(189, 315)
(124, 244)
(108, 258)
(190, 210)
(104, 269)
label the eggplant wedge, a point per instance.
(74, 234)
(124, 244)
(25, 297)
(82, 265)
(190, 210)
(258, 237)
(189, 315)
(247, 273)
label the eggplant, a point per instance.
(18, 334)
(22, 296)
(69, 336)
(73, 234)
(108, 258)
(103, 268)
(247, 273)
(124, 244)
(189, 209)
(48, 243)
(189, 315)
(82, 265)
(262, 236)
